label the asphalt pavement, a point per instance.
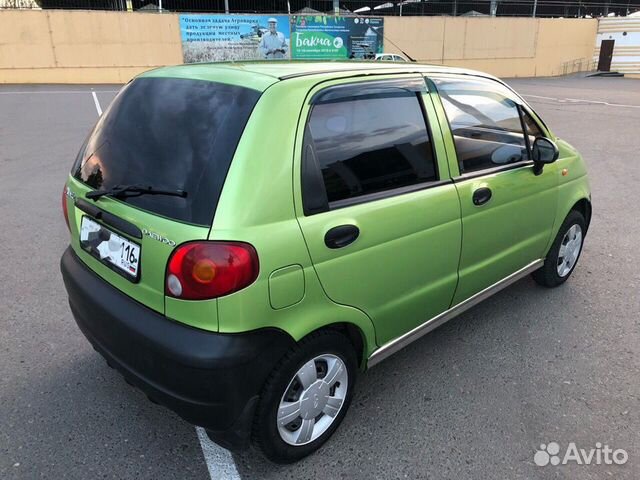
(474, 399)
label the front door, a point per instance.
(507, 210)
(375, 203)
(606, 54)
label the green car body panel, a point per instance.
(370, 286)
(363, 276)
(419, 254)
(150, 290)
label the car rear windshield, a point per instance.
(169, 134)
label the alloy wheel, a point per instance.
(312, 400)
(569, 250)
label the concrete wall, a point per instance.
(506, 47)
(56, 46)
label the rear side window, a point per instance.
(485, 122)
(168, 133)
(367, 140)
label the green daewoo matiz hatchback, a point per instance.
(247, 238)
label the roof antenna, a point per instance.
(375, 29)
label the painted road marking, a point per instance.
(31, 92)
(581, 100)
(219, 461)
(597, 102)
(539, 96)
(95, 100)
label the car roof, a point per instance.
(259, 75)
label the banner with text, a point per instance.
(328, 37)
(219, 38)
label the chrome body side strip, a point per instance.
(402, 341)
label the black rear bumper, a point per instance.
(210, 379)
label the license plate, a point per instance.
(115, 251)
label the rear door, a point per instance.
(507, 210)
(374, 200)
(172, 134)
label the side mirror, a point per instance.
(544, 151)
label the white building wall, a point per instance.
(626, 50)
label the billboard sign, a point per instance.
(220, 38)
(328, 37)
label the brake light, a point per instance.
(65, 211)
(204, 270)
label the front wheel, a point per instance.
(564, 253)
(306, 397)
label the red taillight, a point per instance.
(64, 207)
(203, 270)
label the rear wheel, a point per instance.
(306, 397)
(564, 253)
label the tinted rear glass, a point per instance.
(171, 134)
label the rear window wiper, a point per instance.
(126, 191)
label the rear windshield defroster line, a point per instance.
(170, 134)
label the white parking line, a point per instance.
(95, 100)
(582, 100)
(219, 461)
(31, 92)
(596, 102)
(539, 96)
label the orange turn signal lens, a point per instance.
(204, 271)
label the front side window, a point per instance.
(485, 122)
(533, 129)
(367, 140)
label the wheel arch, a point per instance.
(580, 204)
(354, 334)
(572, 195)
(584, 207)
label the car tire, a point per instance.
(300, 407)
(564, 253)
